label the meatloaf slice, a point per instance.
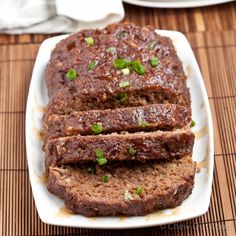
(137, 146)
(123, 188)
(131, 119)
(100, 95)
(125, 41)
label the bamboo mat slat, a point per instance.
(211, 32)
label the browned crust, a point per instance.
(154, 145)
(165, 185)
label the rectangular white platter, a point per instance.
(51, 209)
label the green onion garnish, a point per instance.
(101, 160)
(138, 67)
(120, 63)
(154, 61)
(193, 123)
(152, 44)
(105, 178)
(91, 169)
(128, 65)
(139, 190)
(71, 74)
(125, 71)
(124, 84)
(120, 35)
(143, 123)
(89, 41)
(92, 65)
(99, 153)
(127, 196)
(132, 151)
(97, 128)
(122, 97)
(111, 50)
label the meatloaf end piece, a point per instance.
(125, 41)
(129, 189)
(137, 146)
(104, 86)
(131, 119)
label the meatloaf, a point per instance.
(123, 188)
(131, 119)
(99, 81)
(138, 146)
(117, 125)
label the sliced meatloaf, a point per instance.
(137, 146)
(123, 188)
(125, 41)
(131, 119)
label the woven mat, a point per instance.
(212, 35)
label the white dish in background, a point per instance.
(51, 209)
(175, 3)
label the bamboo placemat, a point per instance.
(212, 35)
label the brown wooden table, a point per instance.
(212, 35)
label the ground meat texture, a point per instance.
(163, 185)
(131, 119)
(154, 145)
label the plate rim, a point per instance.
(176, 4)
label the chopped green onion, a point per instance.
(154, 61)
(105, 178)
(143, 123)
(152, 44)
(193, 123)
(122, 97)
(120, 63)
(139, 190)
(111, 50)
(99, 153)
(92, 65)
(132, 151)
(124, 84)
(101, 160)
(138, 67)
(121, 35)
(128, 65)
(127, 196)
(125, 71)
(89, 41)
(71, 74)
(91, 169)
(97, 128)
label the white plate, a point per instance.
(175, 3)
(51, 209)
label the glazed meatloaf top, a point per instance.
(126, 65)
(125, 41)
(123, 188)
(131, 119)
